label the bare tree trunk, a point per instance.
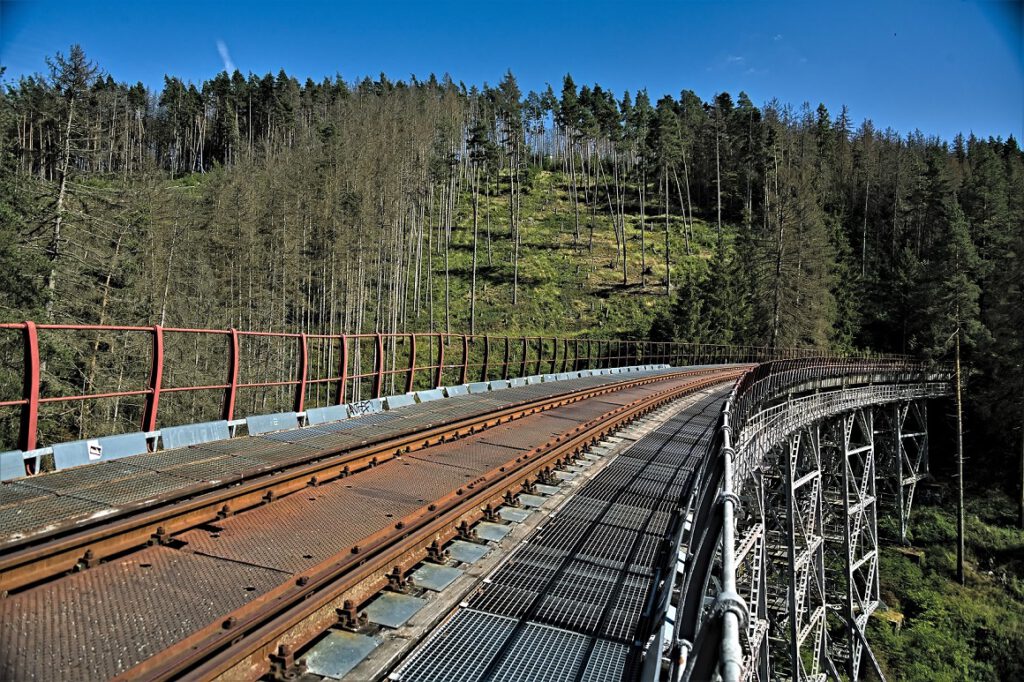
(58, 220)
(718, 185)
(487, 196)
(682, 208)
(864, 232)
(777, 304)
(668, 249)
(516, 237)
(643, 231)
(476, 232)
(575, 189)
(1021, 498)
(959, 464)
(167, 273)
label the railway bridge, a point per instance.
(225, 504)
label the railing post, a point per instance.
(378, 365)
(508, 357)
(30, 392)
(540, 354)
(526, 347)
(554, 353)
(156, 375)
(412, 363)
(465, 359)
(300, 388)
(487, 352)
(231, 392)
(565, 354)
(339, 393)
(440, 361)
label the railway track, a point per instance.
(231, 580)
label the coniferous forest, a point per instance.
(263, 202)
(274, 202)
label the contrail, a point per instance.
(229, 65)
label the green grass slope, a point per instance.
(951, 631)
(565, 287)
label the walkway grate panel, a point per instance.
(461, 649)
(541, 653)
(606, 663)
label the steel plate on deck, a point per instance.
(467, 552)
(472, 456)
(434, 577)
(299, 531)
(407, 479)
(493, 532)
(527, 433)
(198, 465)
(114, 483)
(74, 626)
(26, 511)
(393, 610)
(513, 514)
(337, 653)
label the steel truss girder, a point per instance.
(822, 557)
(795, 550)
(903, 457)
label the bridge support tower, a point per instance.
(810, 554)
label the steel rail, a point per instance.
(38, 558)
(241, 647)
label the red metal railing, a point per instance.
(344, 367)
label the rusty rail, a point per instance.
(295, 613)
(41, 557)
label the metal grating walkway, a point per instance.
(570, 603)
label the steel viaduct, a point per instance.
(445, 506)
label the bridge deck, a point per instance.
(101, 622)
(38, 505)
(569, 603)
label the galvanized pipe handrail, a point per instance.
(747, 412)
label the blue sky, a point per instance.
(941, 66)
